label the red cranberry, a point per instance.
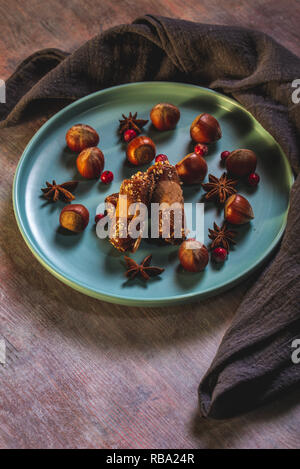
(161, 157)
(201, 149)
(129, 135)
(224, 155)
(98, 217)
(107, 177)
(253, 179)
(219, 254)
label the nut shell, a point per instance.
(81, 136)
(192, 169)
(164, 116)
(241, 162)
(74, 217)
(238, 210)
(205, 129)
(193, 255)
(141, 150)
(90, 163)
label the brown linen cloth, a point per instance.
(253, 364)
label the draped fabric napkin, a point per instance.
(253, 364)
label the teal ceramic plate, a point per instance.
(91, 265)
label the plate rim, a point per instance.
(122, 299)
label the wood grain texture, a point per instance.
(84, 373)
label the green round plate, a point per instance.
(93, 266)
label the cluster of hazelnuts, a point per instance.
(204, 130)
(83, 139)
(141, 149)
(192, 169)
(240, 163)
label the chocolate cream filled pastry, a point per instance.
(134, 191)
(161, 185)
(168, 194)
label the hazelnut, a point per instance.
(238, 210)
(90, 163)
(241, 162)
(192, 168)
(205, 129)
(74, 217)
(193, 255)
(141, 150)
(164, 116)
(81, 136)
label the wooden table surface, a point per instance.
(83, 373)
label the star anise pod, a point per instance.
(221, 236)
(131, 122)
(145, 270)
(219, 188)
(60, 191)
